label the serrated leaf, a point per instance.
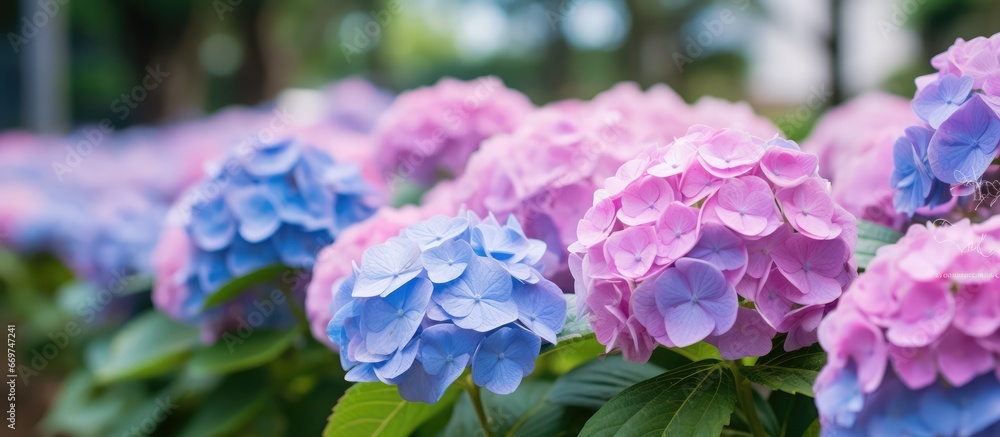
(694, 400)
(149, 345)
(376, 409)
(813, 430)
(593, 384)
(260, 348)
(237, 286)
(791, 372)
(872, 236)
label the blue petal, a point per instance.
(212, 271)
(350, 209)
(256, 213)
(211, 226)
(504, 358)
(541, 308)
(436, 230)
(387, 266)
(298, 247)
(480, 299)
(446, 261)
(243, 257)
(966, 143)
(446, 349)
(336, 330)
(363, 372)
(390, 322)
(416, 385)
(399, 363)
(503, 244)
(841, 400)
(939, 100)
(272, 159)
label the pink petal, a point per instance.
(961, 359)
(632, 250)
(809, 209)
(596, 223)
(802, 326)
(759, 251)
(977, 310)
(627, 173)
(786, 167)
(676, 231)
(644, 201)
(677, 158)
(771, 300)
(750, 336)
(925, 312)
(729, 153)
(915, 366)
(697, 183)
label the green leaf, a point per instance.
(693, 400)
(699, 351)
(83, 408)
(792, 372)
(813, 430)
(226, 410)
(795, 413)
(376, 409)
(872, 236)
(526, 412)
(260, 348)
(236, 286)
(593, 384)
(149, 345)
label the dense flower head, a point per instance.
(428, 134)
(854, 142)
(446, 294)
(718, 236)
(913, 343)
(277, 204)
(547, 170)
(952, 153)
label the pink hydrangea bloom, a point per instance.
(854, 143)
(546, 172)
(927, 309)
(714, 237)
(429, 132)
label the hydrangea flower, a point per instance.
(428, 133)
(854, 141)
(912, 345)
(276, 206)
(446, 294)
(953, 153)
(546, 171)
(738, 241)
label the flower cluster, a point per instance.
(854, 142)
(682, 234)
(928, 306)
(446, 294)
(430, 132)
(546, 171)
(952, 153)
(276, 205)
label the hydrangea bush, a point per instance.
(912, 347)
(278, 204)
(448, 293)
(952, 153)
(718, 236)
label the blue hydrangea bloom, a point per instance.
(937, 101)
(277, 204)
(893, 409)
(449, 293)
(912, 179)
(966, 143)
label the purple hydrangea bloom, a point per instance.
(446, 294)
(936, 102)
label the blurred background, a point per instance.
(70, 65)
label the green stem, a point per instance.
(477, 404)
(745, 393)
